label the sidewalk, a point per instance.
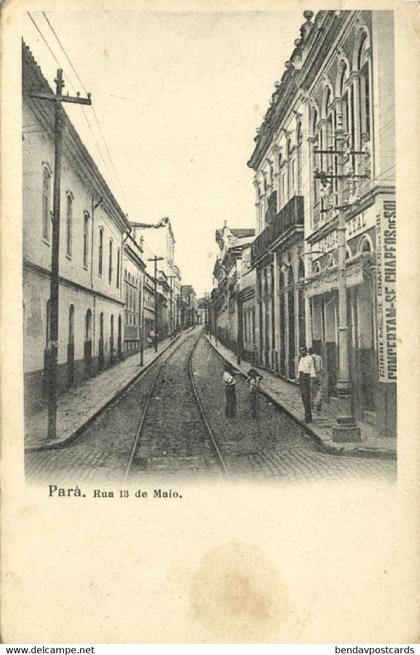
(287, 396)
(80, 405)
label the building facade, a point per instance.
(93, 226)
(188, 306)
(159, 240)
(134, 267)
(232, 299)
(327, 145)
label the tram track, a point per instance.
(145, 414)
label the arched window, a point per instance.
(85, 239)
(345, 92)
(118, 267)
(101, 250)
(69, 223)
(112, 326)
(71, 324)
(88, 325)
(365, 245)
(364, 68)
(316, 268)
(46, 195)
(110, 261)
(101, 326)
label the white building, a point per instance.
(92, 228)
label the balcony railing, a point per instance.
(290, 216)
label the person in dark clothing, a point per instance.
(230, 391)
(254, 379)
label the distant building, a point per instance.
(134, 268)
(232, 299)
(149, 310)
(188, 306)
(93, 226)
(160, 242)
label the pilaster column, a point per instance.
(276, 307)
(356, 117)
(257, 205)
(276, 174)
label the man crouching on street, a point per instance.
(306, 370)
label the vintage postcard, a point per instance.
(209, 371)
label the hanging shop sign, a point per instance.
(386, 261)
(327, 280)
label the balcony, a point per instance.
(286, 221)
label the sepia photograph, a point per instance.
(201, 428)
(209, 286)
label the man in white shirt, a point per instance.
(306, 371)
(316, 390)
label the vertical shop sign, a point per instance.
(386, 291)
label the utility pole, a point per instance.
(155, 260)
(346, 428)
(172, 277)
(52, 346)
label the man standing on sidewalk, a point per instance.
(317, 382)
(306, 371)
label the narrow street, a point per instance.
(174, 441)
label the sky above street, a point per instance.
(178, 97)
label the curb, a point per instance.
(329, 446)
(69, 435)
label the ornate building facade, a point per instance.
(327, 145)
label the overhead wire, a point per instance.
(110, 170)
(72, 86)
(92, 106)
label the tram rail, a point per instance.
(212, 438)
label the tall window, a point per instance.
(110, 262)
(118, 267)
(101, 250)
(69, 224)
(88, 325)
(364, 88)
(292, 177)
(46, 192)
(71, 324)
(85, 239)
(283, 188)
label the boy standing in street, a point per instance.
(230, 391)
(254, 379)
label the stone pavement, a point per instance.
(287, 395)
(80, 405)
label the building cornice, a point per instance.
(36, 268)
(298, 81)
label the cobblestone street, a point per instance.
(272, 445)
(174, 441)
